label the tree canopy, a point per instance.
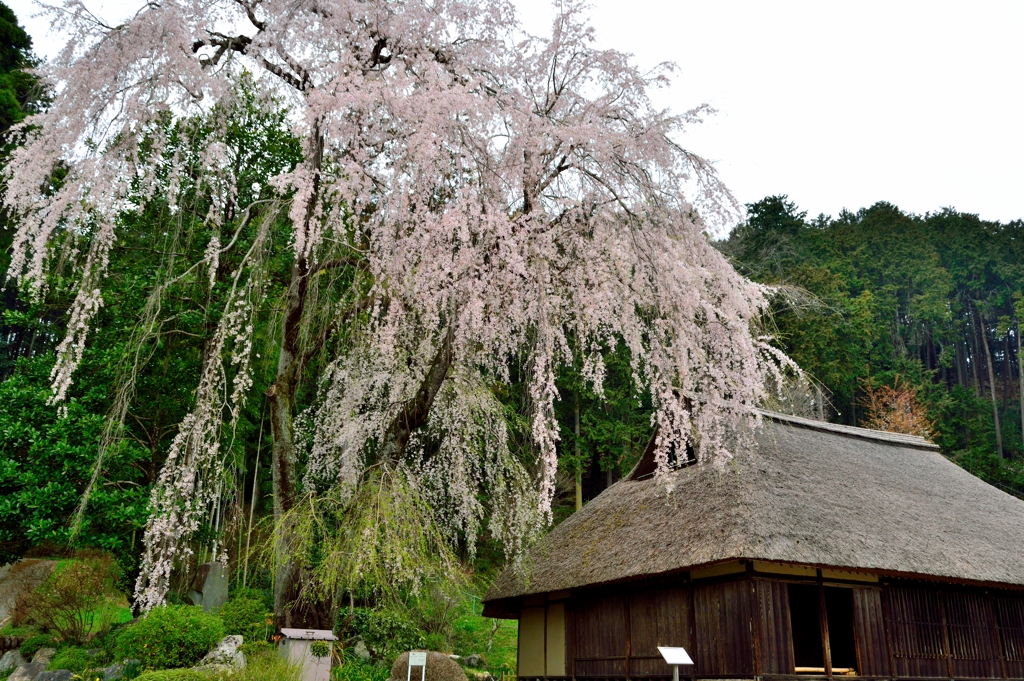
(464, 203)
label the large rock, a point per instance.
(224, 657)
(20, 578)
(210, 588)
(440, 667)
(56, 675)
(361, 651)
(27, 672)
(116, 672)
(44, 655)
(475, 661)
(11, 660)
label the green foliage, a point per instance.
(879, 293)
(253, 648)
(170, 636)
(268, 666)
(74, 599)
(247, 615)
(319, 649)
(75, 659)
(354, 669)
(15, 54)
(173, 675)
(32, 644)
(47, 459)
(387, 632)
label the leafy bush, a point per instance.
(68, 600)
(75, 659)
(247, 615)
(33, 643)
(253, 648)
(172, 675)
(387, 632)
(170, 636)
(269, 666)
(354, 669)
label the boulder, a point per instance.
(474, 661)
(210, 588)
(361, 651)
(57, 675)
(27, 672)
(224, 657)
(116, 672)
(44, 655)
(440, 667)
(10, 660)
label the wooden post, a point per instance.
(823, 618)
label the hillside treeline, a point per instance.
(880, 297)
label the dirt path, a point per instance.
(18, 578)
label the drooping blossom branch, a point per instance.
(507, 198)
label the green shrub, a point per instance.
(354, 669)
(268, 666)
(75, 659)
(248, 616)
(70, 600)
(170, 636)
(253, 648)
(34, 643)
(172, 675)
(387, 632)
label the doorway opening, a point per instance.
(805, 620)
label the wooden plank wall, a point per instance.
(657, 618)
(724, 645)
(602, 637)
(869, 629)
(776, 636)
(741, 627)
(1010, 613)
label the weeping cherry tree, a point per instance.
(499, 204)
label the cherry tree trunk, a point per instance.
(282, 394)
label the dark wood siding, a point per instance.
(723, 636)
(973, 640)
(601, 637)
(657, 618)
(1010, 614)
(869, 628)
(776, 638)
(916, 631)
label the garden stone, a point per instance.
(10, 660)
(440, 667)
(44, 655)
(226, 654)
(361, 651)
(474, 661)
(27, 672)
(115, 672)
(210, 588)
(58, 675)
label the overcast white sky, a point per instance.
(838, 105)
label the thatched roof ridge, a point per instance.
(811, 493)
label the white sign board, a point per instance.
(675, 655)
(417, 659)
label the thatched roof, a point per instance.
(811, 493)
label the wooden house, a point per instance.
(827, 551)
